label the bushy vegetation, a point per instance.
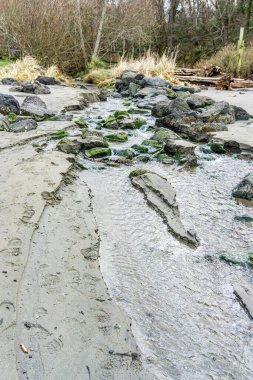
(150, 64)
(29, 69)
(226, 59)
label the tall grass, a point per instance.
(150, 65)
(226, 59)
(29, 69)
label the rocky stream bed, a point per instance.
(126, 232)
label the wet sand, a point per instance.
(53, 299)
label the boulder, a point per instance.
(4, 123)
(150, 92)
(154, 82)
(191, 90)
(31, 88)
(245, 188)
(127, 153)
(70, 146)
(163, 134)
(161, 108)
(133, 89)
(129, 76)
(149, 102)
(117, 137)
(241, 114)
(9, 81)
(34, 106)
(179, 147)
(98, 152)
(8, 104)
(48, 81)
(23, 125)
(131, 123)
(219, 112)
(197, 101)
(93, 142)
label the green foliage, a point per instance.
(137, 172)
(5, 62)
(12, 117)
(61, 134)
(97, 63)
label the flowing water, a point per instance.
(186, 319)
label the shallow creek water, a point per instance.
(186, 319)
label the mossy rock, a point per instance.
(127, 104)
(80, 121)
(232, 260)
(87, 133)
(118, 137)
(118, 114)
(137, 172)
(244, 219)
(139, 111)
(12, 117)
(162, 156)
(217, 148)
(98, 152)
(140, 148)
(61, 134)
(127, 153)
(153, 144)
(110, 122)
(162, 135)
(144, 158)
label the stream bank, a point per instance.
(186, 318)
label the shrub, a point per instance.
(226, 59)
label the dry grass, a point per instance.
(149, 65)
(29, 69)
(226, 59)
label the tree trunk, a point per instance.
(100, 28)
(249, 6)
(80, 29)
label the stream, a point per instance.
(186, 319)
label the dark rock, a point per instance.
(245, 188)
(163, 135)
(98, 152)
(9, 81)
(217, 148)
(232, 147)
(34, 106)
(150, 92)
(128, 77)
(23, 125)
(154, 82)
(4, 123)
(196, 101)
(48, 81)
(127, 153)
(162, 108)
(70, 146)
(219, 112)
(161, 196)
(149, 102)
(191, 90)
(31, 88)
(133, 89)
(8, 104)
(93, 142)
(245, 297)
(241, 114)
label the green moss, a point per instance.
(81, 122)
(127, 153)
(12, 117)
(98, 152)
(137, 172)
(140, 148)
(61, 134)
(118, 114)
(119, 137)
(244, 262)
(217, 148)
(153, 144)
(139, 123)
(127, 104)
(109, 120)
